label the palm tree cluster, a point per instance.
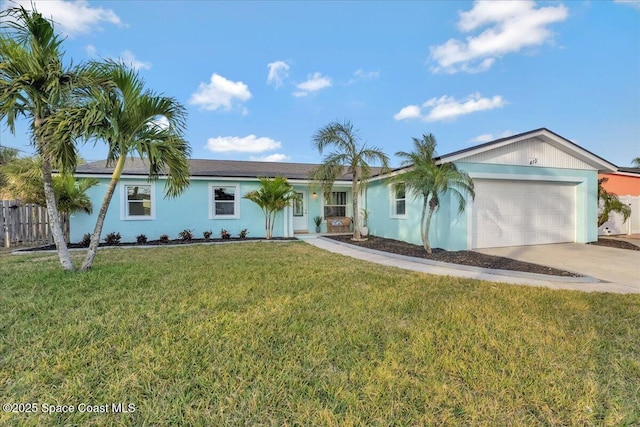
(351, 155)
(67, 105)
(430, 180)
(272, 196)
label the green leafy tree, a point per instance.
(132, 121)
(609, 202)
(35, 84)
(7, 155)
(350, 154)
(427, 179)
(272, 197)
(636, 162)
(23, 181)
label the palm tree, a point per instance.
(609, 202)
(636, 162)
(429, 180)
(127, 117)
(272, 197)
(35, 84)
(351, 154)
(23, 180)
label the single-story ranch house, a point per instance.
(533, 188)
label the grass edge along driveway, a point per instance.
(284, 334)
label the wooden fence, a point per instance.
(26, 224)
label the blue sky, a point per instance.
(259, 78)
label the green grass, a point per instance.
(286, 334)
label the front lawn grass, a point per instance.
(286, 334)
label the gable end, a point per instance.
(529, 152)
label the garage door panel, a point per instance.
(514, 213)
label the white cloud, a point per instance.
(71, 17)
(486, 137)
(314, 83)
(278, 71)
(512, 26)
(91, 50)
(633, 3)
(362, 76)
(277, 157)
(130, 59)
(161, 122)
(220, 93)
(408, 112)
(447, 108)
(248, 144)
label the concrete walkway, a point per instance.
(586, 284)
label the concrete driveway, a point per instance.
(618, 266)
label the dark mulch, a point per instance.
(471, 258)
(157, 243)
(614, 243)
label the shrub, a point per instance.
(225, 234)
(112, 239)
(141, 239)
(186, 235)
(164, 238)
(243, 233)
(207, 234)
(86, 240)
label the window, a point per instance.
(335, 204)
(398, 200)
(224, 201)
(138, 201)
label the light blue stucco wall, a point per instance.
(449, 229)
(189, 211)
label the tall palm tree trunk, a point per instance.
(54, 217)
(354, 194)
(97, 231)
(424, 231)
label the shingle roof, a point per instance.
(216, 168)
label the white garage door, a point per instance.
(514, 213)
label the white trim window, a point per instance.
(224, 201)
(398, 198)
(336, 204)
(138, 201)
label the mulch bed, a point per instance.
(471, 258)
(614, 243)
(157, 243)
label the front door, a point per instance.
(300, 223)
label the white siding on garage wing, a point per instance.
(514, 213)
(529, 152)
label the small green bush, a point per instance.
(243, 233)
(207, 234)
(164, 238)
(224, 234)
(141, 239)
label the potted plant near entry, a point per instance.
(317, 220)
(364, 229)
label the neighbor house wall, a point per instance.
(622, 185)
